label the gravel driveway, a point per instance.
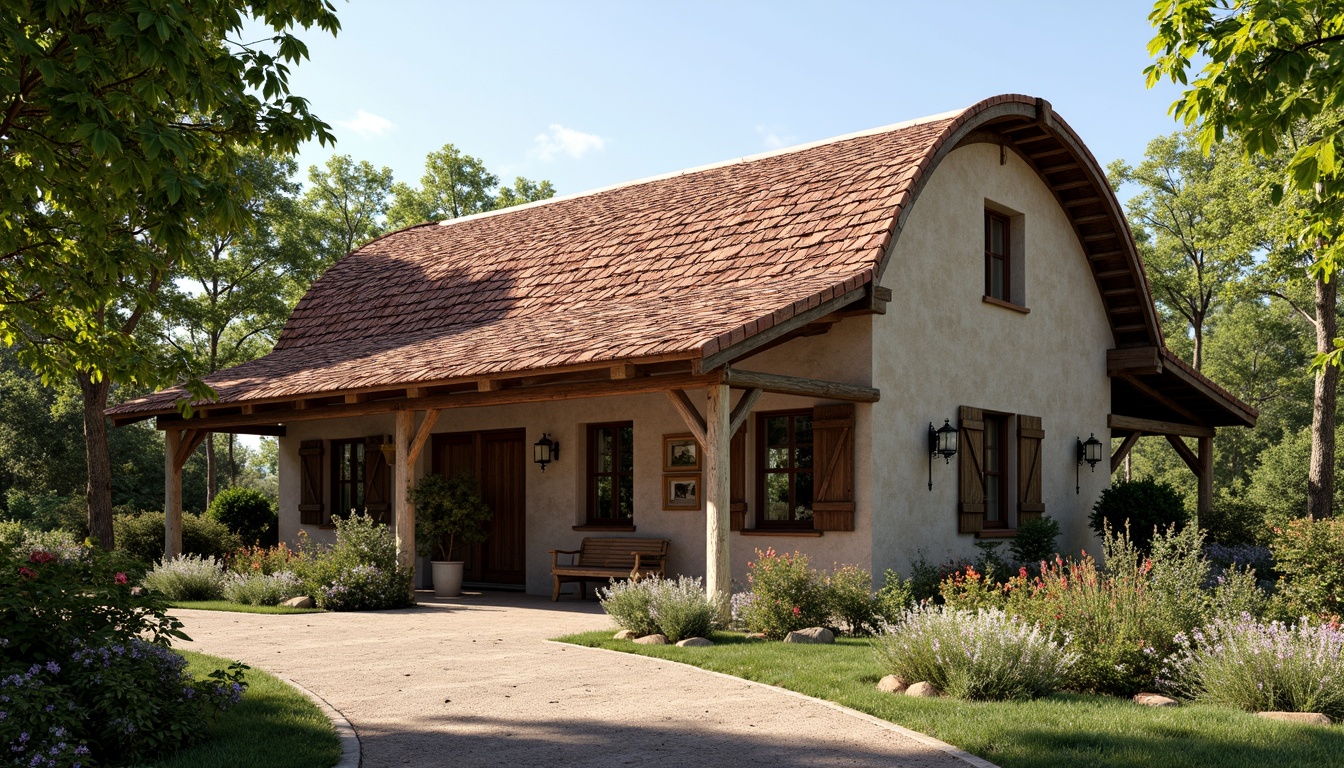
(473, 682)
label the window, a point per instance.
(611, 473)
(995, 460)
(347, 472)
(999, 465)
(998, 257)
(785, 478)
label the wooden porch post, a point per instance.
(718, 439)
(1205, 475)
(403, 517)
(172, 494)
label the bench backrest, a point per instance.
(618, 553)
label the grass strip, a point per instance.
(274, 725)
(1059, 730)
(225, 605)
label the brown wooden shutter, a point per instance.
(970, 468)
(310, 483)
(833, 467)
(377, 481)
(1029, 438)
(737, 480)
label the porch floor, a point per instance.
(472, 682)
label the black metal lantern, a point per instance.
(1090, 452)
(545, 450)
(942, 442)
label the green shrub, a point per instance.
(630, 605)
(1234, 521)
(16, 536)
(448, 512)
(925, 579)
(187, 577)
(983, 655)
(261, 588)
(84, 670)
(1261, 667)
(141, 536)
(682, 609)
(894, 598)
(1035, 541)
(970, 590)
(787, 594)
(1310, 556)
(48, 511)
(849, 590)
(1139, 506)
(265, 560)
(248, 513)
(359, 572)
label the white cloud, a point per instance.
(559, 140)
(367, 125)
(775, 136)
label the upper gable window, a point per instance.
(998, 257)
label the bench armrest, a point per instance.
(556, 553)
(639, 557)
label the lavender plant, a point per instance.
(187, 577)
(262, 589)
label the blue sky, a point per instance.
(588, 94)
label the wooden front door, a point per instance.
(497, 460)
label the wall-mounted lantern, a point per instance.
(545, 450)
(389, 450)
(942, 442)
(1090, 452)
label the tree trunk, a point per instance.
(1321, 480)
(98, 490)
(211, 471)
(233, 465)
(1198, 361)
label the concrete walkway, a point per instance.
(473, 682)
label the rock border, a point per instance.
(352, 756)
(925, 739)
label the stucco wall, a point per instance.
(940, 347)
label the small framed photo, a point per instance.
(681, 491)
(681, 453)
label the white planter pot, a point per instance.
(447, 577)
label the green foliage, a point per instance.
(630, 605)
(265, 560)
(1233, 521)
(1035, 541)
(925, 578)
(359, 572)
(187, 577)
(456, 184)
(894, 598)
(342, 209)
(261, 588)
(983, 655)
(1310, 556)
(787, 594)
(849, 590)
(1279, 484)
(676, 608)
(448, 510)
(247, 513)
(1140, 507)
(141, 536)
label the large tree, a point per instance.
(1265, 69)
(344, 206)
(456, 184)
(120, 128)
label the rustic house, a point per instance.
(749, 354)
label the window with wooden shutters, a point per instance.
(347, 477)
(1030, 436)
(784, 469)
(310, 482)
(377, 480)
(833, 465)
(737, 480)
(970, 469)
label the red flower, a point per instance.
(38, 556)
(27, 573)
(120, 578)
(797, 610)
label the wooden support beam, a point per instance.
(248, 408)
(302, 405)
(743, 410)
(356, 397)
(1107, 274)
(792, 385)
(421, 436)
(489, 385)
(1091, 219)
(1122, 452)
(1077, 201)
(1143, 387)
(1153, 427)
(1204, 503)
(718, 494)
(1187, 455)
(1133, 360)
(752, 343)
(689, 414)
(1099, 236)
(623, 371)
(1070, 185)
(414, 392)
(403, 515)
(263, 429)
(172, 495)
(190, 442)
(1102, 255)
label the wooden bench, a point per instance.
(606, 559)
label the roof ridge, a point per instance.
(711, 166)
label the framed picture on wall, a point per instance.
(681, 491)
(681, 453)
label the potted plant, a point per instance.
(448, 512)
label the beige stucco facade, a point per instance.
(939, 346)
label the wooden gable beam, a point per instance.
(689, 413)
(1187, 455)
(1126, 446)
(1181, 410)
(191, 441)
(793, 385)
(1154, 427)
(743, 410)
(422, 435)
(754, 342)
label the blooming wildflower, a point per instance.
(39, 556)
(27, 572)
(120, 578)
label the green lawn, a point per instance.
(225, 605)
(273, 725)
(1062, 730)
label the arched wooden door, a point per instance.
(498, 460)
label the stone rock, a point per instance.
(811, 635)
(652, 640)
(625, 634)
(892, 684)
(1302, 718)
(755, 635)
(1154, 700)
(299, 602)
(923, 691)
(694, 642)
